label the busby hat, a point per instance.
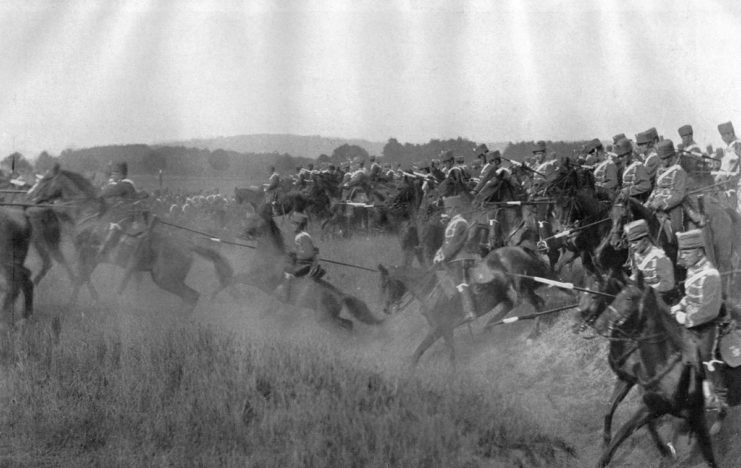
(643, 138)
(685, 130)
(456, 201)
(653, 133)
(665, 149)
(623, 147)
(496, 155)
(726, 127)
(636, 230)
(481, 149)
(618, 137)
(539, 147)
(690, 239)
(447, 156)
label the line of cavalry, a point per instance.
(656, 229)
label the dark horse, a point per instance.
(668, 368)
(494, 287)
(167, 258)
(15, 239)
(622, 356)
(266, 273)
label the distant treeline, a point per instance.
(184, 161)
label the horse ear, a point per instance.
(55, 169)
(383, 270)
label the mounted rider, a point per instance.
(730, 167)
(271, 189)
(635, 180)
(688, 140)
(671, 188)
(647, 142)
(699, 310)
(457, 253)
(119, 187)
(605, 172)
(545, 167)
(302, 261)
(651, 261)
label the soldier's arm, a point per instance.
(455, 243)
(642, 182)
(665, 273)
(611, 177)
(706, 307)
(679, 189)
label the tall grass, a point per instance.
(193, 396)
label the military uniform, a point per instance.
(271, 188)
(668, 195)
(699, 309)
(636, 182)
(730, 168)
(650, 260)
(606, 177)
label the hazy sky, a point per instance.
(82, 73)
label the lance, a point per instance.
(520, 203)
(532, 316)
(522, 165)
(708, 187)
(560, 284)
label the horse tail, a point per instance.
(224, 270)
(360, 310)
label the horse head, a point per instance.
(619, 216)
(592, 304)
(391, 290)
(622, 312)
(258, 225)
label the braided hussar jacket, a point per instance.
(671, 187)
(657, 268)
(606, 175)
(456, 234)
(635, 179)
(702, 298)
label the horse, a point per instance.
(167, 258)
(15, 240)
(266, 273)
(622, 357)
(668, 369)
(495, 287)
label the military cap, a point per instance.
(496, 155)
(636, 230)
(665, 149)
(685, 130)
(623, 147)
(618, 137)
(690, 239)
(593, 145)
(456, 201)
(447, 156)
(539, 147)
(726, 127)
(653, 133)
(481, 149)
(643, 138)
(121, 168)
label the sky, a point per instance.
(76, 74)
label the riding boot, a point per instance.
(465, 292)
(718, 392)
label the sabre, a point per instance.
(560, 284)
(532, 316)
(522, 165)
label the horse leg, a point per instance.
(58, 256)
(638, 420)
(450, 341)
(698, 424)
(20, 280)
(177, 286)
(428, 341)
(619, 392)
(45, 261)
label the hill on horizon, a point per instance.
(296, 145)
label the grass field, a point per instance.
(242, 382)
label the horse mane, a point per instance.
(652, 305)
(588, 203)
(81, 183)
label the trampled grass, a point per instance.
(193, 396)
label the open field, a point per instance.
(178, 183)
(243, 382)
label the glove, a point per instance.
(439, 257)
(681, 317)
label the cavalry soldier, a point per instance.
(647, 142)
(546, 166)
(460, 162)
(617, 138)
(302, 261)
(455, 252)
(271, 188)
(118, 185)
(671, 188)
(729, 166)
(699, 309)
(376, 171)
(635, 180)
(605, 172)
(688, 140)
(490, 174)
(651, 261)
